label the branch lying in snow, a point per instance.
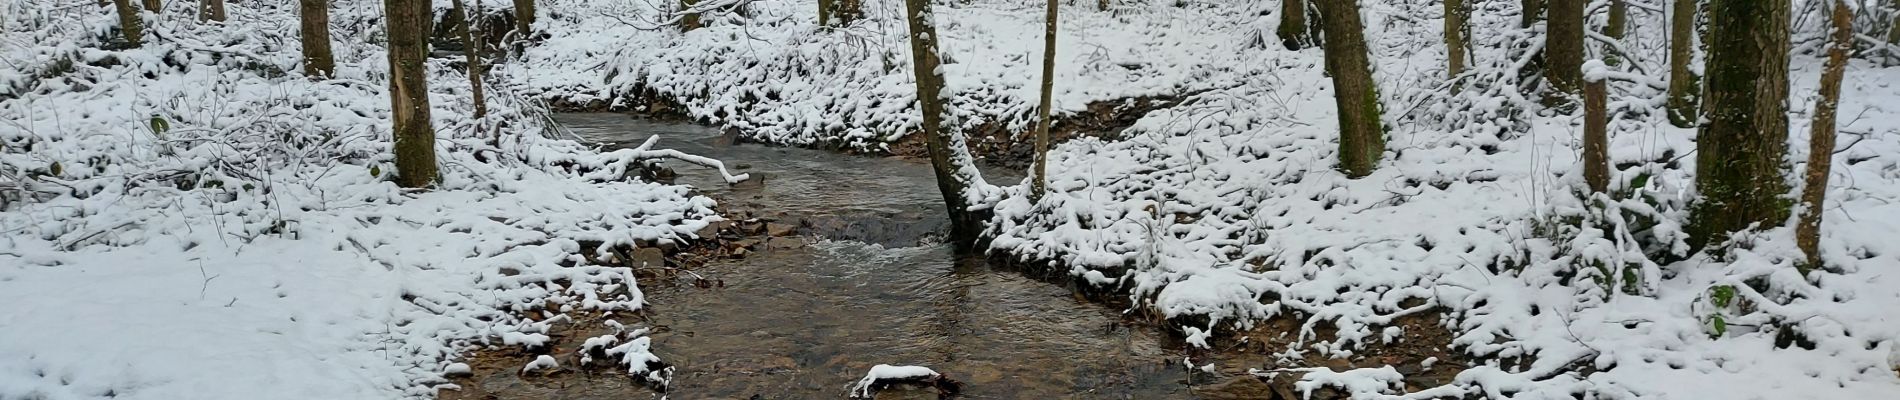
(645, 151)
(885, 375)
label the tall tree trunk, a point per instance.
(472, 55)
(210, 10)
(524, 19)
(152, 5)
(1684, 85)
(407, 21)
(1361, 134)
(1533, 12)
(948, 158)
(131, 24)
(1596, 131)
(1293, 29)
(1739, 152)
(847, 11)
(1040, 185)
(1619, 22)
(1563, 46)
(1821, 140)
(1455, 13)
(688, 21)
(1893, 32)
(824, 12)
(318, 60)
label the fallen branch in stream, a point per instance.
(646, 151)
(884, 376)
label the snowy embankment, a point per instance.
(195, 219)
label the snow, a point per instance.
(541, 362)
(889, 372)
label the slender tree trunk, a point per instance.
(1040, 185)
(1893, 32)
(152, 5)
(211, 10)
(1293, 29)
(1361, 134)
(1533, 12)
(471, 53)
(847, 11)
(1619, 22)
(824, 12)
(1454, 42)
(689, 21)
(948, 158)
(409, 91)
(130, 22)
(1739, 165)
(1684, 85)
(1821, 141)
(1563, 46)
(524, 19)
(1596, 133)
(318, 60)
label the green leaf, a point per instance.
(1722, 295)
(1720, 324)
(160, 126)
(375, 171)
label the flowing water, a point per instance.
(873, 287)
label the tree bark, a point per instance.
(152, 5)
(131, 24)
(847, 11)
(1618, 24)
(1893, 32)
(1563, 46)
(1739, 168)
(1455, 14)
(1361, 134)
(688, 21)
(1596, 135)
(318, 60)
(1040, 185)
(407, 21)
(824, 12)
(1684, 85)
(947, 158)
(1821, 132)
(211, 10)
(524, 19)
(1293, 30)
(471, 53)
(1533, 12)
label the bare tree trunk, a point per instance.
(1563, 46)
(1533, 12)
(152, 5)
(130, 22)
(1684, 86)
(1739, 165)
(1821, 141)
(407, 21)
(211, 10)
(689, 21)
(824, 12)
(948, 158)
(1619, 21)
(1893, 32)
(471, 53)
(1294, 31)
(524, 19)
(1455, 13)
(1596, 133)
(318, 60)
(847, 11)
(1040, 185)
(1361, 134)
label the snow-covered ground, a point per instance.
(1226, 210)
(186, 220)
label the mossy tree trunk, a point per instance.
(318, 60)
(407, 27)
(1455, 50)
(1684, 85)
(1040, 185)
(1821, 140)
(1739, 164)
(1361, 134)
(471, 55)
(948, 158)
(152, 5)
(1596, 134)
(210, 10)
(131, 24)
(1294, 31)
(1563, 46)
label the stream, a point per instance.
(873, 285)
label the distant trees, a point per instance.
(965, 224)
(318, 60)
(1614, 29)
(1294, 31)
(1563, 46)
(1040, 184)
(839, 12)
(1684, 86)
(1533, 12)
(1739, 168)
(131, 24)
(524, 19)
(1821, 132)
(1455, 41)
(406, 24)
(210, 10)
(1361, 134)
(471, 55)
